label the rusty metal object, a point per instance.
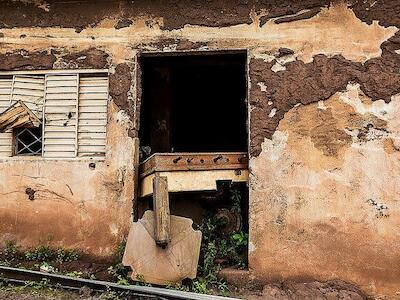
(159, 162)
(230, 220)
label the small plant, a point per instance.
(11, 251)
(44, 283)
(141, 280)
(121, 249)
(66, 255)
(177, 286)
(240, 239)
(200, 286)
(75, 274)
(41, 253)
(119, 273)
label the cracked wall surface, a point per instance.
(324, 139)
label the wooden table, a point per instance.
(187, 172)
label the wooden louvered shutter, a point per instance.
(60, 111)
(5, 97)
(30, 90)
(93, 95)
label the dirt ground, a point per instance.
(284, 291)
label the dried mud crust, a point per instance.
(45, 60)
(83, 14)
(305, 83)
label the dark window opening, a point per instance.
(194, 103)
(28, 141)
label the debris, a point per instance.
(18, 115)
(153, 264)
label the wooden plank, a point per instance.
(102, 102)
(97, 96)
(92, 116)
(92, 142)
(60, 109)
(29, 86)
(59, 135)
(90, 129)
(94, 109)
(34, 80)
(59, 141)
(61, 89)
(162, 216)
(60, 154)
(60, 103)
(59, 148)
(64, 96)
(61, 77)
(70, 128)
(92, 148)
(93, 89)
(193, 161)
(65, 123)
(91, 136)
(61, 116)
(99, 83)
(191, 181)
(64, 83)
(93, 122)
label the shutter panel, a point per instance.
(60, 126)
(5, 93)
(5, 97)
(93, 95)
(30, 90)
(6, 139)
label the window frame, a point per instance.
(100, 156)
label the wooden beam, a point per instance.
(191, 181)
(162, 162)
(161, 211)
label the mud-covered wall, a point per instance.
(80, 203)
(323, 99)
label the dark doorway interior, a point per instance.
(194, 103)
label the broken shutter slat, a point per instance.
(61, 100)
(29, 90)
(93, 95)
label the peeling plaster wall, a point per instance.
(324, 140)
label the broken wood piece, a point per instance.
(161, 211)
(152, 264)
(18, 115)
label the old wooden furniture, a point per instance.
(185, 172)
(192, 171)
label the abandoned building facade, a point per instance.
(309, 91)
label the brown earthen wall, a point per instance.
(324, 137)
